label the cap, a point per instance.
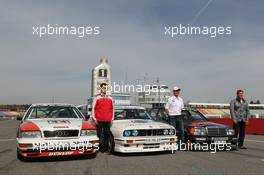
(176, 88)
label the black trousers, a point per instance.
(103, 133)
(240, 128)
(177, 122)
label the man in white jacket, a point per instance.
(174, 108)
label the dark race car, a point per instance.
(199, 130)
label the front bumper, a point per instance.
(205, 143)
(218, 139)
(145, 144)
(60, 147)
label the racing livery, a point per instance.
(55, 130)
(133, 130)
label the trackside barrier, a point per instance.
(255, 125)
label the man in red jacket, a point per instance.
(103, 114)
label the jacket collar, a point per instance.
(238, 99)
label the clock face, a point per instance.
(102, 73)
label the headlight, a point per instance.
(230, 131)
(197, 131)
(134, 133)
(202, 131)
(88, 132)
(171, 131)
(30, 134)
(126, 133)
(165, 132)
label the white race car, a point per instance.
(55, 130)
(133, 130)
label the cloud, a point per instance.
(132, 38)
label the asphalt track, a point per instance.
(250, 161)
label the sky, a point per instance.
(35, 69)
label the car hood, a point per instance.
(57, 124)
(139, 124)
(207, 124)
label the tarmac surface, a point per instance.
(250, 161)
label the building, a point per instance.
(100, 74)
(222, 110)
(121, 98)
(157, 96)
(16, 108)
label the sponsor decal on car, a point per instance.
(64, 146)
(58, 121)
(60, 153)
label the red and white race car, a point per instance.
(55, 130)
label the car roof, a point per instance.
(129, 107)
(53, 104)
(184, 109)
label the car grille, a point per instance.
(216, 131)
(61, 133)
(150, 132)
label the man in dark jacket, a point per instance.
(240, 114)
(103, 113)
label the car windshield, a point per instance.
(121, 114)
(53, 112)
(196, 116)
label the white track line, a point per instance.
(258, 141)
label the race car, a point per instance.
(55, 130)
(134, 131)
(197, 128)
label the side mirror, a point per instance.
(185, 117)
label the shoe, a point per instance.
(106, 152)
(242, 147)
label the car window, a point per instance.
(196, 116)
(186, 116)
(122, 114)
(53, 112)
(162, 113)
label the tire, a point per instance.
(20, 157)
(92, 156)
(111, 144)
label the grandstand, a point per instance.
(221, 110)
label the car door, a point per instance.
(187, 120)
